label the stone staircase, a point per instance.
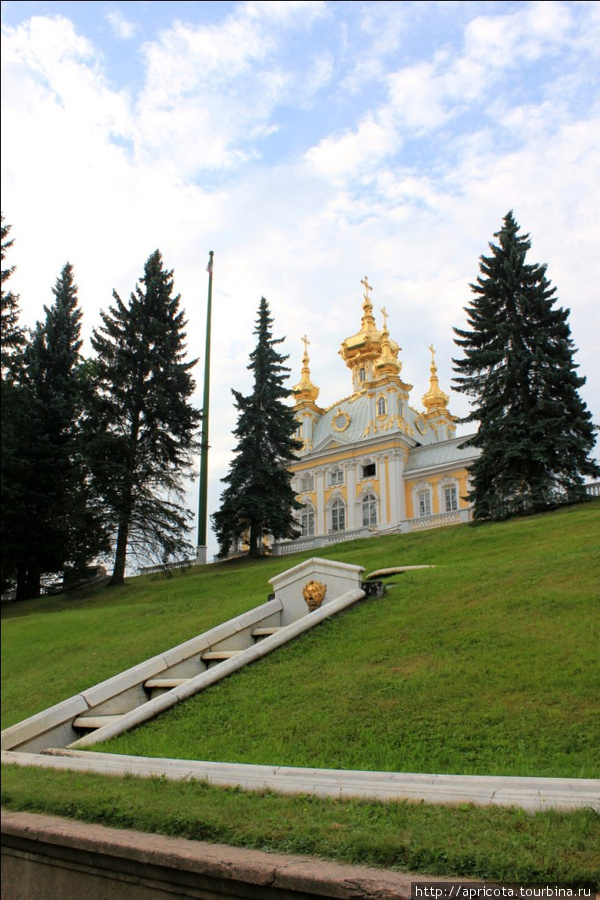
(155, 687)
(142, 692)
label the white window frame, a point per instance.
(337, 516)
(307, 482)
(368, 505)
(450, 497)
(336, 476)
(307, 520)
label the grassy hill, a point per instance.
(487, 664)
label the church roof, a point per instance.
(440, 454)
(379, 406)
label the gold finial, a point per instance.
(367, 287)
(385, 318)
(435, 400)
(305, 390)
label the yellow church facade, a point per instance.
(371, 463)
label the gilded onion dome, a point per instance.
(361, 350)
(435, 400)
(305, 392)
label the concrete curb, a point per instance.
(530, 794)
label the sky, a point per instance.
(308, 144)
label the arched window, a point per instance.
(381, 406)
(362, 374)
(369, 510)
(307, 519)
(337, 513)
(336, 476)
(424, 503)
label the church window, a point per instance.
(451, 498)
(424, 503)
(307, 520)
(369, 470)
(381, 406)
(369, 510)
(336, 476)
(338, 516)
(307, 483)
(362, 374)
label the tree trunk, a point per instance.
(28, 583)
(118, 575)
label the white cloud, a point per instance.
(405, 181)
(122, 27)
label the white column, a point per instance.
(320, 525)
(397, 500)
(383, 510)
(350, 468)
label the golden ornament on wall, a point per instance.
(341, 421)
(314, 594)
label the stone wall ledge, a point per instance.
(51, 858)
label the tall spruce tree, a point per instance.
(535, 432)
(13, 337)
(141, 422)
(13, 342)
(50, 521)
(258, 501)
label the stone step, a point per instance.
(165, 683)
(265, 632)
(90, 723)
(213, 655)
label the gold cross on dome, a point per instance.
(367, 287)
(306, 342)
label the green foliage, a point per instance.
(141, 423)
(49, 520)
(535, 432)
(12, 335)
(258, 501)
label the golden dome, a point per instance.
(435, 400)
(305, 392)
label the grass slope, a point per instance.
(486, 664)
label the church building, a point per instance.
(370, 463)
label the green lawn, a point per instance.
(487, 664)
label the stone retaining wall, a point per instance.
(47, 858)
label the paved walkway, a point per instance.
(531, 794)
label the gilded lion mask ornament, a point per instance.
(314, 594)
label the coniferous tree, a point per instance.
(49, 519)
(141, 423)
(13, 341)
(13, 338)
(258, 501)
(535, 431)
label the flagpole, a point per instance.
(203, 486)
